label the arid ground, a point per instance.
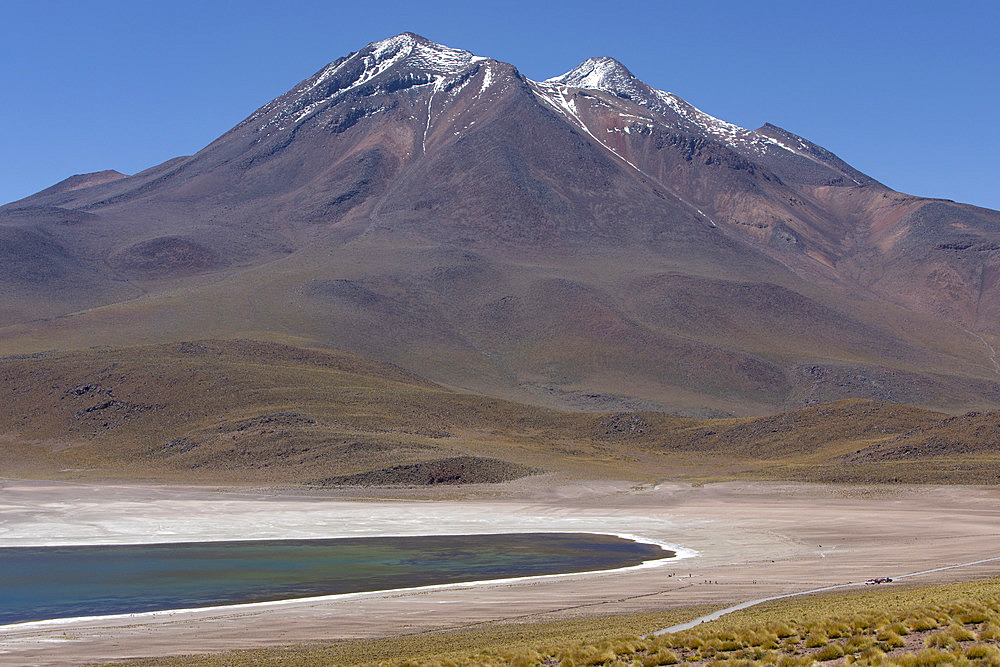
(752, 539)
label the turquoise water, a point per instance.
(59, 582)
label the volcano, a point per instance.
(585, 242)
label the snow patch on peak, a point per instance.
(417, 59)
(421, 53)
(610, 76)
(709, 123)
(604, 73)
(391, 45)
(733, 135)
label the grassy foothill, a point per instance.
(243, 411)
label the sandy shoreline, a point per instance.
(753, 539)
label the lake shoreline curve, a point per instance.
(676, 552)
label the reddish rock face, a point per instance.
(586, 241)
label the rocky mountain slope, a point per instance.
(585, 242)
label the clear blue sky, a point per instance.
(908, 92)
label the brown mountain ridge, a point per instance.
(584, 242)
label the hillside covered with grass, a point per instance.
(240, 411)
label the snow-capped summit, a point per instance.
(605, 74)
(610, 76)
(402, 61)
(419, 52)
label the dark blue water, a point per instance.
(59, 582)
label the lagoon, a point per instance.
(39, 583)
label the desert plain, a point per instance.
(738, 541)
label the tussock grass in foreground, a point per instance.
(499, 643)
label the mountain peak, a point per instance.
(418, 52)
(603, 73)
(407, 58)
(409, 187)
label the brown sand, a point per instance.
(753, 539)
